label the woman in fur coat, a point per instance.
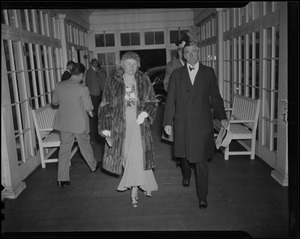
(127, 110)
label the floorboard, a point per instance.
(243, 198)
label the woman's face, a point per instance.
(130, 66)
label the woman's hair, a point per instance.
(131, 55)
(77, 69)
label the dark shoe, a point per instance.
(203, 204)
(97, 166)
(185, 182)
(63, 183)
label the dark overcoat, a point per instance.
(188, 111)
(112, 117)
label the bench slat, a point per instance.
(243, 124)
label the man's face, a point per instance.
(95, 64)
(191, 54)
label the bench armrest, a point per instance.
(241, 121)
(46, 129)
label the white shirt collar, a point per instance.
(196, 66)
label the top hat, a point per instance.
(224, 138)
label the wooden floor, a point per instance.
(243, 197)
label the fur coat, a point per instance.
(112, 117)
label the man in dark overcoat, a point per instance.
(192, 93)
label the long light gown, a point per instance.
(134, 173)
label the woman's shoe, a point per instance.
(134, 197)
(147, 195)
(134, 201)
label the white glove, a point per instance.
(106, 133)
(225, 123)
(168, 129)
(91, 113)
(142, 117)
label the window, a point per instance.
(152, 38)
(106, 39)
(176, 35)
(270, 85)
(55, 28)
(206, 30)
(107, 62)
(19, 100)
(9, 17)
(130, 39)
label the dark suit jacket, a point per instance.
(95, 81)
(188, 110)
(66, 76)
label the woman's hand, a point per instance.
(107, 133)
(142, 116)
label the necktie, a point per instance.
(97, 74)
(191, 68)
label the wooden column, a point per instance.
(220, 55)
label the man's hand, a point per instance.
(225, 123)
(168, 129)
(91, 113)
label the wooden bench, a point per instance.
(243, 117)
(48, 139)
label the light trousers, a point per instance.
(67, 141)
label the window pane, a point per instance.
(3, 21)
(38, 22)
(30, 17)
(109, 39)
(101, 58)
(125, 39)
(12, 18)
(135, 39)
(149, 38)
(99, 40)
(111, 58)
(268, 7)
(159, 38)
(174, 36)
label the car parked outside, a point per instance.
(157, 75)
